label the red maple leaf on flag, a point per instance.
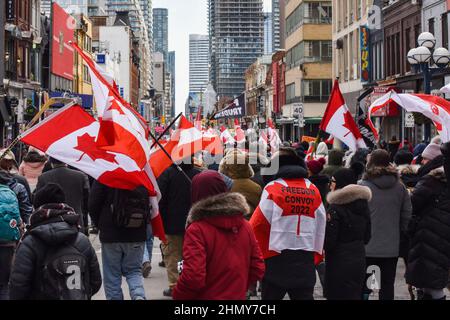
(350, 124)
(114, 105)
(87, 145)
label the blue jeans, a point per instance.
(123, 259)
(148, 245)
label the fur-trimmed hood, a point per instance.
(236, 166)
(408, 169)
(349, 194)
(439, 174)
(222, 205)
(376, 172)
(382, 177)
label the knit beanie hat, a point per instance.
(50, 193)
(344, 177)
(403, 157)
(432, 151)
(316, 166)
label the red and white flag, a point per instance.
(280, 225)
(225, 136)
(184, 142)
(74, 143)
(211, 142)
(121, 127)
(198, 119)
(339, 122)
(239, 136)
(433, 107)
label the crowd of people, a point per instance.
(231, 229)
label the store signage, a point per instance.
(10, 9)
(365, 53)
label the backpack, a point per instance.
(64, 274)
(131, 208)
(9, 215)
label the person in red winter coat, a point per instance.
(221, 256)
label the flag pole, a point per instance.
(166, 129)
(38, 115)
(168, 155)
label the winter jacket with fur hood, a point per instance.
(221, 255)
(52, 225)
(348, 231)
(429, 254)
(390, 211)
(236, 166)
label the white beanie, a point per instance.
(432, 151)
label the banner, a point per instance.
(62, 33)
(368, 132)
(235, 110)
(365, 53)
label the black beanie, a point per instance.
(403, 157)
(344, 177)
(50, 193)
(289, 157)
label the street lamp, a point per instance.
(424, 58)
(428, 60)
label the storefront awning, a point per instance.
(86, 99)
(315, 120)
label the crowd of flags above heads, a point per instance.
(116, 148)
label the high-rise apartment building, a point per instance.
(278, 24)
(171, 69)
(161, 31)
(236, 31)
(268, 34)
(198, 62)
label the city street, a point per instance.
(157, 282)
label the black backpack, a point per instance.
(131, 208)
(64, 274)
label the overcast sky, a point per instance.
(185, 17)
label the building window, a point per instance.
(316, 90)
(309, 52)
(431, 25)
(309, 13)
(290, 93)
(444, 19)
(86, 76)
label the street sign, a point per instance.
(299, 113)
(409, 120)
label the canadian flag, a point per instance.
(239, 136)
(446, 89)
(226, 136)
(211, 142)
(296, 225)
(433, 107)
(339, 122)
(184, 142)
(121, 127)
(74, 143)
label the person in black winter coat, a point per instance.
(52, 224)
(429, 254)
(348, 231)
(321, 181)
